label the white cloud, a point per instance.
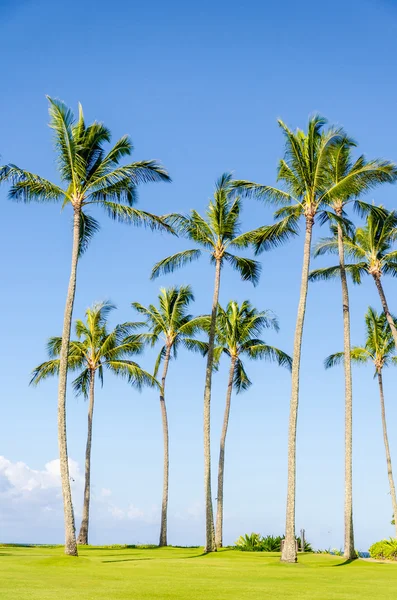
(31, 509)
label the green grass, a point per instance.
(41, 573)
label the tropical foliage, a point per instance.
(254, 542)
(237, 331)
(173, 326)
(319, 177)
(385, 549)
(95, 350)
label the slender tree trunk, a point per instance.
(221, 467)
(385, 307)
(83, 535)
(387, 449)
(70, 532)
(164, 505)
(349, 551)
(209, 515)
(289, 548)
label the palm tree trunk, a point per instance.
(387, 449)
(386, 308)
(221, 467)
(164, 506)
(70, 532)
(209, 515)
(83, 535)
(349, 551)
(289, 547)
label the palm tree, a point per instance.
(379, 349)
(217, 233)
(371, 249)
(170, 323)
(304, 172)
(365, 175)
(89, 176)
(237, 329)
(94, 350)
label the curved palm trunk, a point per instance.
(289, 548)
(387, 449)
(209, 515)
(221, 467)
(386, 308)
(83, 535)
(164, 505)
(349, 551)
(70, 533)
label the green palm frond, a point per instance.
(262, 192)
(28, 187)
(257, 350)
(159, 360)
(88, 228)
(272, 236)
(195, 345)
(81, 385)
(176, 261)
(46, 369)
(241, 381)
(131, 371)
(133, 216)
(249, 269)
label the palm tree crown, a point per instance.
(89, 175)
(238, 327)
(379, 344)
(95, 350)
(370, 247)
(219, 232)
(170, 323)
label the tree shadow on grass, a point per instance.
(346, 562)
(125, 560)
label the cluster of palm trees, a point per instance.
(319, 178)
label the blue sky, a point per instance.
(198, 86)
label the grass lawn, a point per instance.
(110, 574)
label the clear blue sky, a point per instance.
(198, 86)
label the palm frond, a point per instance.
(249, 269)
(176, 261)
(46, 369)
(88, 228)
(133, 216)
(131, 371)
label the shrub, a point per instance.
(384, 549)
(308, 547)
(254, 542)
(249, 543)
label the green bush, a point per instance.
(249, 543)
(254, 542)
(384, 549)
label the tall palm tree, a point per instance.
(170, 323)
(304, 171)
(89, 176)
(95, 349)
(365, 176)
(237, 331)
(217, 233)
(379, 349)
(371, 250)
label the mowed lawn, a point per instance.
(111, 574)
